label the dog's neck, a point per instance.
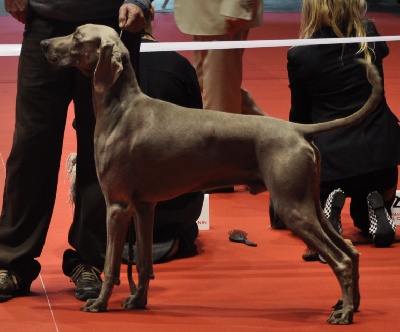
(125, 85)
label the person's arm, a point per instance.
(300, 111)
(17, 8)
(238, 14)
(372, 32)
(240, 9)
(133, 13)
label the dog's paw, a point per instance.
(341, 317)
(133, 302)
(94, 305)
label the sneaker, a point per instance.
(381, 226)
(87, 280)
(11, 286)
(333, 208)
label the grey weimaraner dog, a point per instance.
(147, 150)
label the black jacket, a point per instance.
(170, 77)
(326, 83)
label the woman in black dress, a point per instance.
(327, 83)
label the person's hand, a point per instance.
(131, 18)
(17, 8)
(234, 25)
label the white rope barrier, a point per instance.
(190, 46)
(10, 49)
(15, 49)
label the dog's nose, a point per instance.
(44, 44)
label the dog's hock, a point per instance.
(108, 68)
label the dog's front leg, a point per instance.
(144, 220)
(118, 219)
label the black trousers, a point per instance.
(44, 93)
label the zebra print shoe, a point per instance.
(333, 208)
(381, 226)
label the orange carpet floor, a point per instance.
(228, 286)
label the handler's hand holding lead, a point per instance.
(235, 25)
(17, 9)
(131, 18)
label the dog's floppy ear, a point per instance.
(108, 68)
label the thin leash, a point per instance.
(132, 285)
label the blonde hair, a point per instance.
(345, 17)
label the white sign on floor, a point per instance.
(204, 219)
(396, 209)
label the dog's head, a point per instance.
(94, 49)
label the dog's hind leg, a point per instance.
(349, 250)
(294, 191)
(337, 239)
(118, 218)
(144, 220)
(311, 231)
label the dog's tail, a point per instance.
(312, 130)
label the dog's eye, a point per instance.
(77, 38)
(77, 35)
(76, 42)
(76, 47)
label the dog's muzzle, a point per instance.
(48, 52)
